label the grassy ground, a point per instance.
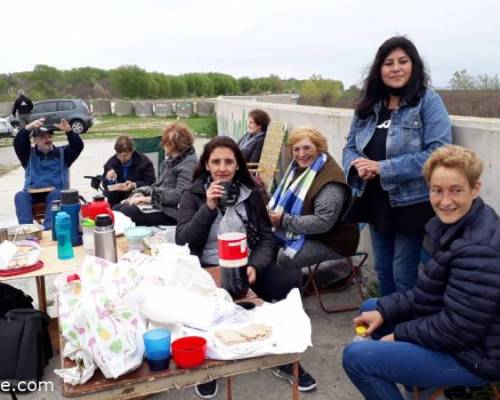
(112, 126)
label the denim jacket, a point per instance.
(415, 132)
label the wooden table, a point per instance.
(143, 382)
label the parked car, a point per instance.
(5, 127)
(75, 111)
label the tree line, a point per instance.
(133, 82)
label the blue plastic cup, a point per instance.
(157, 345)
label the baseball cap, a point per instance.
(42, 131)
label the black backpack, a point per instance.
(25, 341)
(11, 298)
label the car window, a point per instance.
(46, 107)
(65, 105)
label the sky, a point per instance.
(336, 39)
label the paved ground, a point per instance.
(330, 332)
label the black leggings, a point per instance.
(145, 219)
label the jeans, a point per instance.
(375, 367)
(396, 260)
(24, 201)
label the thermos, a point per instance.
(54, 209)
(63, 229)
(104, 238)
(70, 203)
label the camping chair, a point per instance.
(151, 148)
(267, 166)
(353, 277)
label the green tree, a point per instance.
(163, 84)
(131, 81)
(321, 92)
(245, 84)
(462, 80)
(178, 87)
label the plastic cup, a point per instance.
(157, 345)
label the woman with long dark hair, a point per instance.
(200, 213)
(398, 122)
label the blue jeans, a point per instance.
(24, 202)
(375, 367)
(396, 260)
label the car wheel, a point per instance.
(78, 126)
(15, 124)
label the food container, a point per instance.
(25, 232)
(135, 237)
(28, 253)
(189, 351)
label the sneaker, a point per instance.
(306, 382)
(207, 390)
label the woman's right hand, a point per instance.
(373, 319)
(214, 193)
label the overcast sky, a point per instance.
(333, 38)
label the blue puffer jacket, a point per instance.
(455, 306)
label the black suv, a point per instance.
(75, 111)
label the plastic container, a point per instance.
(157, 347)
(135, 237)
(63, 230)
(28, 253)
(25, 232)
(88, 226)
(189, 351)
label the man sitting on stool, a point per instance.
(46, 167)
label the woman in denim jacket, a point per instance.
(398, 122)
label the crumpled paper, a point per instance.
(82, 371)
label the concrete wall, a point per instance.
(164, 108)
(184, 109)
(122, 108)
(143, 108)
(287, 98)
(205, 108)
(100, 107)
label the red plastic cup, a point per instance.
(189, 351)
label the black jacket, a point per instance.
(141, 170)
(253, 150)
(23, 105)
(194, 220)
(455, 307)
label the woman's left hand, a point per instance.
(139, 199)
(252, 274)
(388, 338)
(275, 218)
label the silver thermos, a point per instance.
(104, 238)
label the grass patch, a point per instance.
(112, 126)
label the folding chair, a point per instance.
(152, 149)
(267, 166)
(38, 209)
(355, 276)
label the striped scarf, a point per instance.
(289, 198)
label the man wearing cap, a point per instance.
(46, 167)
(23, 106)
